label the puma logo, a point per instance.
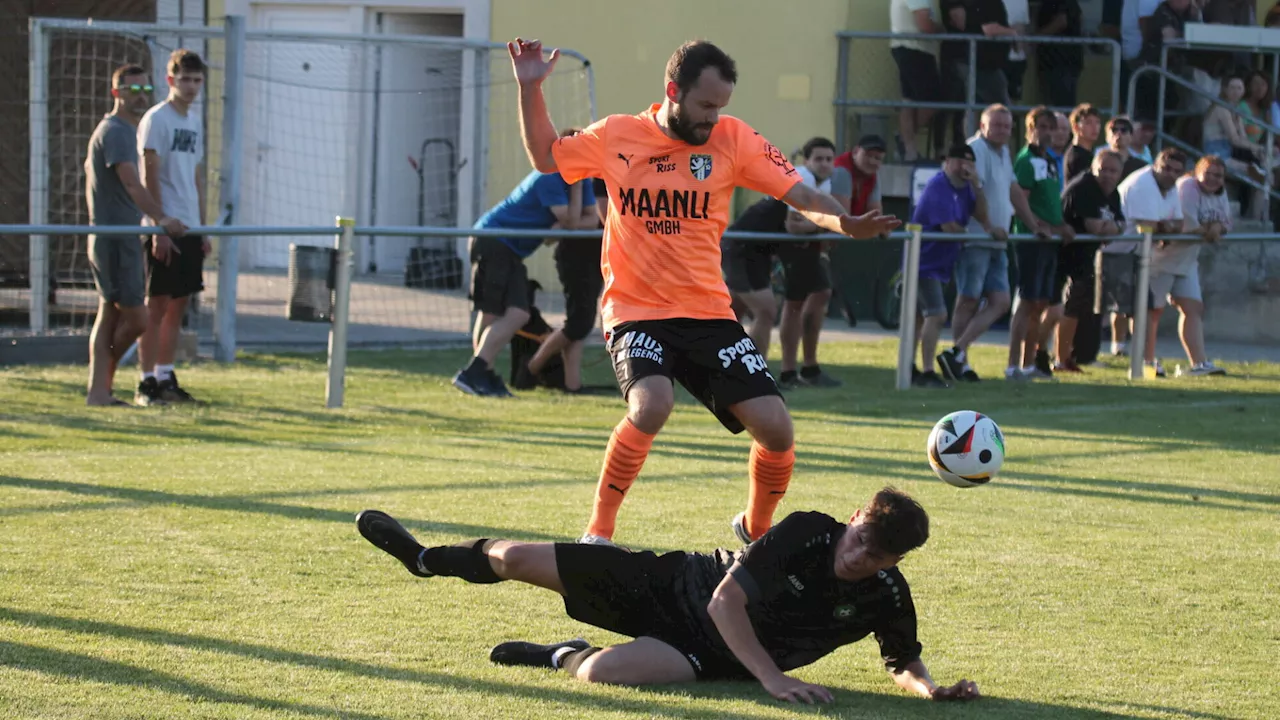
(619, 490)
(626, 159)
(777, 492)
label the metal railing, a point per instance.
(843, 101)
(346, 230)
(1272, 131)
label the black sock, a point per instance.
(465, 560)
(959, 354)
(570, 662)
(810, 371)
(477, 365)
(787, 375)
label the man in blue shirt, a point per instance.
(499, 279)
(948, 201)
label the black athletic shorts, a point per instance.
(578, 265)
(917, 74)
(805, 271)
(499, 279)
(1077, 276)
(183, 276)
(637, 594)
(747, 264)
(715, 360)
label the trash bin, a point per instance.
(312, 276)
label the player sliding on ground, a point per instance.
(807, 587)
(671, 171)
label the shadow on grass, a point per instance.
(647, 702)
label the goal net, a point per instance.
(399, 128)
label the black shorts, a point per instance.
(715, 360)
(183, 276)
(917, 74)
(637, 594)
(1075, 281)
(747, 265)
(805, 271)
(1037, 265)
(499, 279)
(578, 265)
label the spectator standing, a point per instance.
(1225, 135)
(917, 63)
(1060, 65)
(1149, 197)
(986, 18)
(949, 201)
(982, 270)
(1175, 267)
(1090, 205)
(1144, 133)
(1134, 16)
(1015, 67)
(1120, 132)
(1037, 175)
(1167, 24)
(1086, 127)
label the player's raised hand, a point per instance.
(870, 225)
(963, 690)
(793, 690)
(527, 62)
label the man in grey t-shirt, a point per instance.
(116, 197)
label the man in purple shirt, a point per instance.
(949, 200)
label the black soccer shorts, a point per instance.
(183, 276)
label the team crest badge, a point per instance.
(843, 612)
(700, 166)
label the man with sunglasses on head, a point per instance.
(171, 141)
(116, 196)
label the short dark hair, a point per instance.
(690, 59)
(186, 60)
(1082, 111)
(896, 524)
(1172, 154)
(124, 71)
(814, 144)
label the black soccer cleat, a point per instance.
(532, 654)
(390, 536)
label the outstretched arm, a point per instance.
(914, 678)
(827, 213)
(536, 128)
(728, 610)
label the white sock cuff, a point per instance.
(558, 655)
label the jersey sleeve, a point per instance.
(119, 146)
(761, 570)
(151, 135)
(896, 634)
(760, 166)
(581, 155)
(1024, 172)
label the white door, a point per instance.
(417, 146)
(301, 129)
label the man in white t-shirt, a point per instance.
(808, 281)
(982, 270)
(1150, 197)
(917, 69)
(171, 145)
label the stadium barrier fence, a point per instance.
(344, 233)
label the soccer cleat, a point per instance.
(589, 539)
(171, 392)
(387, 535)
(951, 365)
(929, 380)
(472, 381)
(530, 654)
(148, 393)
(739, 525)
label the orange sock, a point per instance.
(770, 474)
(623, 458)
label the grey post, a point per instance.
(971, 96)
(1116, 59)
(1138, 343)
(1159, 118)
(341, 315)
(38, 118)
(224, 319)
(907, 316)
(842, 88)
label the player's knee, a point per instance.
(649, 410)
(605, 668)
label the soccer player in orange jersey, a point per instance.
(671, 171)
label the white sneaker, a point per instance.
(739, 525)
(1207, 368)
(589, 539)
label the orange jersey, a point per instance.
(668, 206)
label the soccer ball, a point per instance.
(966, 449)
